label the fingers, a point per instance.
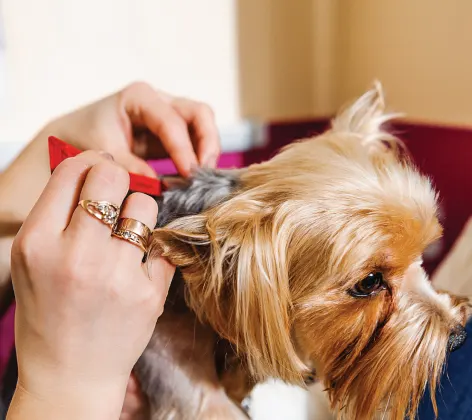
(142, 208)
(136, 405)
(137, 165)
(60, 196)
(201, 119)
(145, 107)
(161, 272)
(133, 385)
(105, 181)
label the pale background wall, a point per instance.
(264, 59)
(60, 54)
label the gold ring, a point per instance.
(104, 211)
(133, 231)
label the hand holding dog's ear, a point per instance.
(134, 124)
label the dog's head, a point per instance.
(316, 262)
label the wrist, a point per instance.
(56, 398)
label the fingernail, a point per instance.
(192, 169)
(210, 161)
(106, 155)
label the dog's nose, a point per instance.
(456, 338)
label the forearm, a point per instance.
(23, 181)
(71, 403)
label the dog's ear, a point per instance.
(234, 259)
(366, 118)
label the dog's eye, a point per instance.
(367, 287)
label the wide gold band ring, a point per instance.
(104, 211)
(133, 231)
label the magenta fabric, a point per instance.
(227, 161)
(6, 337)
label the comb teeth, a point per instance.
(60, 150)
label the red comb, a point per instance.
(60, 150)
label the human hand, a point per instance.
(133, 124)
(136, 405)
(86, 305)
(139, 122)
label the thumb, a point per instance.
(134, 164)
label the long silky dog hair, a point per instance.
(312, 260)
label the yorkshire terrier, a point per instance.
(309, 262)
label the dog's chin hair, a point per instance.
(376, 364)
(390, 377)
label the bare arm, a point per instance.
(20, 186)
(22, 182)
(72, 403)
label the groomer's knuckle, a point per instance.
(70, 280)
(71, 276)
(204, 111)
(25, 248)
(138, 88)
(144, 297)
(89, 156)
(74, 267)
(70, 167)
(118, 292)
(111, 173)
(145, 203)
(150, 301)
